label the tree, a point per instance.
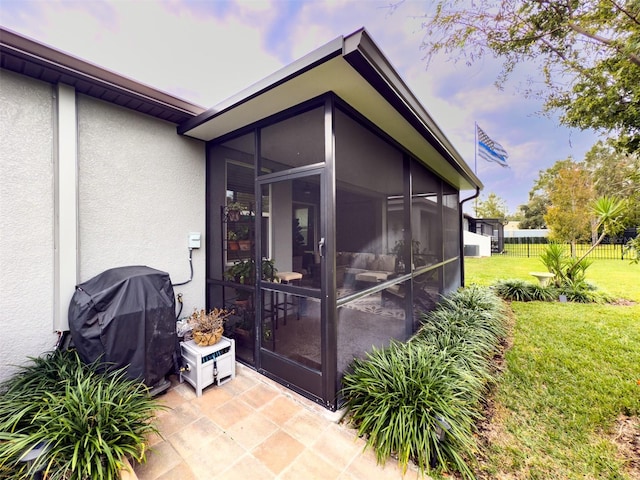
(492, 207)
(539, 201)
(569, 217)
(587, 51)
(616, 174)
(534, 212)
(608, 211)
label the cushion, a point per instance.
(363, 260)
(385, 263)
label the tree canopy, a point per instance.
(588, 50)
(569, 215)
(616, 174)
(492, 207)
(534, 212)
(611, 173)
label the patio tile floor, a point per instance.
(251, 427)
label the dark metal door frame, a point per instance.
(293, 375)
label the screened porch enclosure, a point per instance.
(363, 238)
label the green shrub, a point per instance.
(567, 270)
(632, 248)
(584, 293)
(89, 420)
(474, 329)
(521, 291)
(401, 396)
(473, 298)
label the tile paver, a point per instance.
(252, 430)
(278, 451)
(252, 427)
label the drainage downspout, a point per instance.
(462, 234)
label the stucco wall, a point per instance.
(26, 220)
(483, 241)
(141, 191)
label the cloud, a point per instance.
(208, 51)
(169, 46)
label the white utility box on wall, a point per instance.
(207, 365)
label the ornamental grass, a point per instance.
(89, 420)
(420, 400)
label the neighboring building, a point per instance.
(337, 167)
(483, 236)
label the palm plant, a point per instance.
(608, 211)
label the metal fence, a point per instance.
(610, 249)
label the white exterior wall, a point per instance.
(26, 220)
(141, 192)
(483, 241)
(534, 232)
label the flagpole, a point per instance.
(475, 158)
(475, 148)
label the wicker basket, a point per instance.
(205, 339)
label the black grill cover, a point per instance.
(126, 317)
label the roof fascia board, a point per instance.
(363, 54)
(319, 56)
(82, 70)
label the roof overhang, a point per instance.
(34, 59)
(354, 68)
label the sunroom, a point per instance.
(333, 214)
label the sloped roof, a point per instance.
(355, 69)
(34, 59)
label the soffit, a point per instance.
(355, 69)
(34, 59)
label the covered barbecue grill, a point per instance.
(126, 318)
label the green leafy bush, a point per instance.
(567, 270)
(584, 293)
(632, 248)
(89, 420)
(521, 291)
(402, 397)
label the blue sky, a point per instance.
(206, 51)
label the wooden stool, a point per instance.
(288, 278)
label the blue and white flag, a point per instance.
(490, 150)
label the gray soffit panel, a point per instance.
(29, 57)
(354, 68)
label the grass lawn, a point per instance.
(616, 277)
(572, 371)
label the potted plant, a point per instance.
(207, 327)
(233, 211)
(243, 271)
(232, 240)
(244, 242)
(242, 329)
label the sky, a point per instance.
(206, 51)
